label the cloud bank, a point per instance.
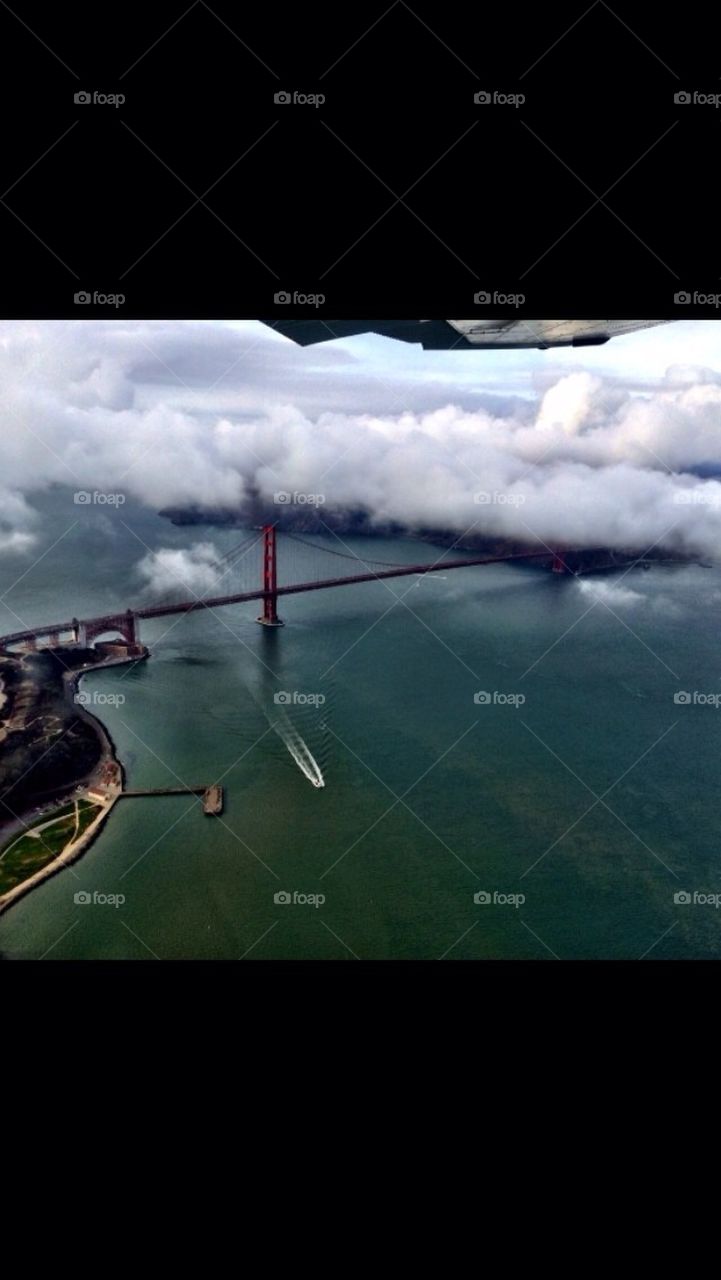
(209, 413)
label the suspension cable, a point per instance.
(394, 564)
(243, 546)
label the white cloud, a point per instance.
(610, 593)
(207, 413)
(194, 570)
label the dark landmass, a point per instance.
(47, 746)
(292, 518)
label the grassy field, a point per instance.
(60, 813)
(25, 855)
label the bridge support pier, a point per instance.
(269, 616)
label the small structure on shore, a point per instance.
(107, 783)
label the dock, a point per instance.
(212, 795)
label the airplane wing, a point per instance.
(482, 335)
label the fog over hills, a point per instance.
(217, 418)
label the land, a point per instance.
(42, 843)
(51, 747)
(357, 523)
(51, 750)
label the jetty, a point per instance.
(212, 795)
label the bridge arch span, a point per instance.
(113, 625)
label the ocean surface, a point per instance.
(576, 800)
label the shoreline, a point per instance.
(108, 753)
(63, 860)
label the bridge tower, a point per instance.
(269, 616)
(131, 627)
(559, 565)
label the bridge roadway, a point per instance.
(215, 602)
(187, 606)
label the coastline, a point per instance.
(63, 860)
(108, 754)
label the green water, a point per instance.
(488, 807)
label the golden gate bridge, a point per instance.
(83, 632)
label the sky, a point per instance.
(613, 445)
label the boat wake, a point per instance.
(298, 749)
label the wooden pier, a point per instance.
(212, 795)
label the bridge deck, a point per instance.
(216, 602)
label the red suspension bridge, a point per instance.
(126, 623)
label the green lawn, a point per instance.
(22, 857)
